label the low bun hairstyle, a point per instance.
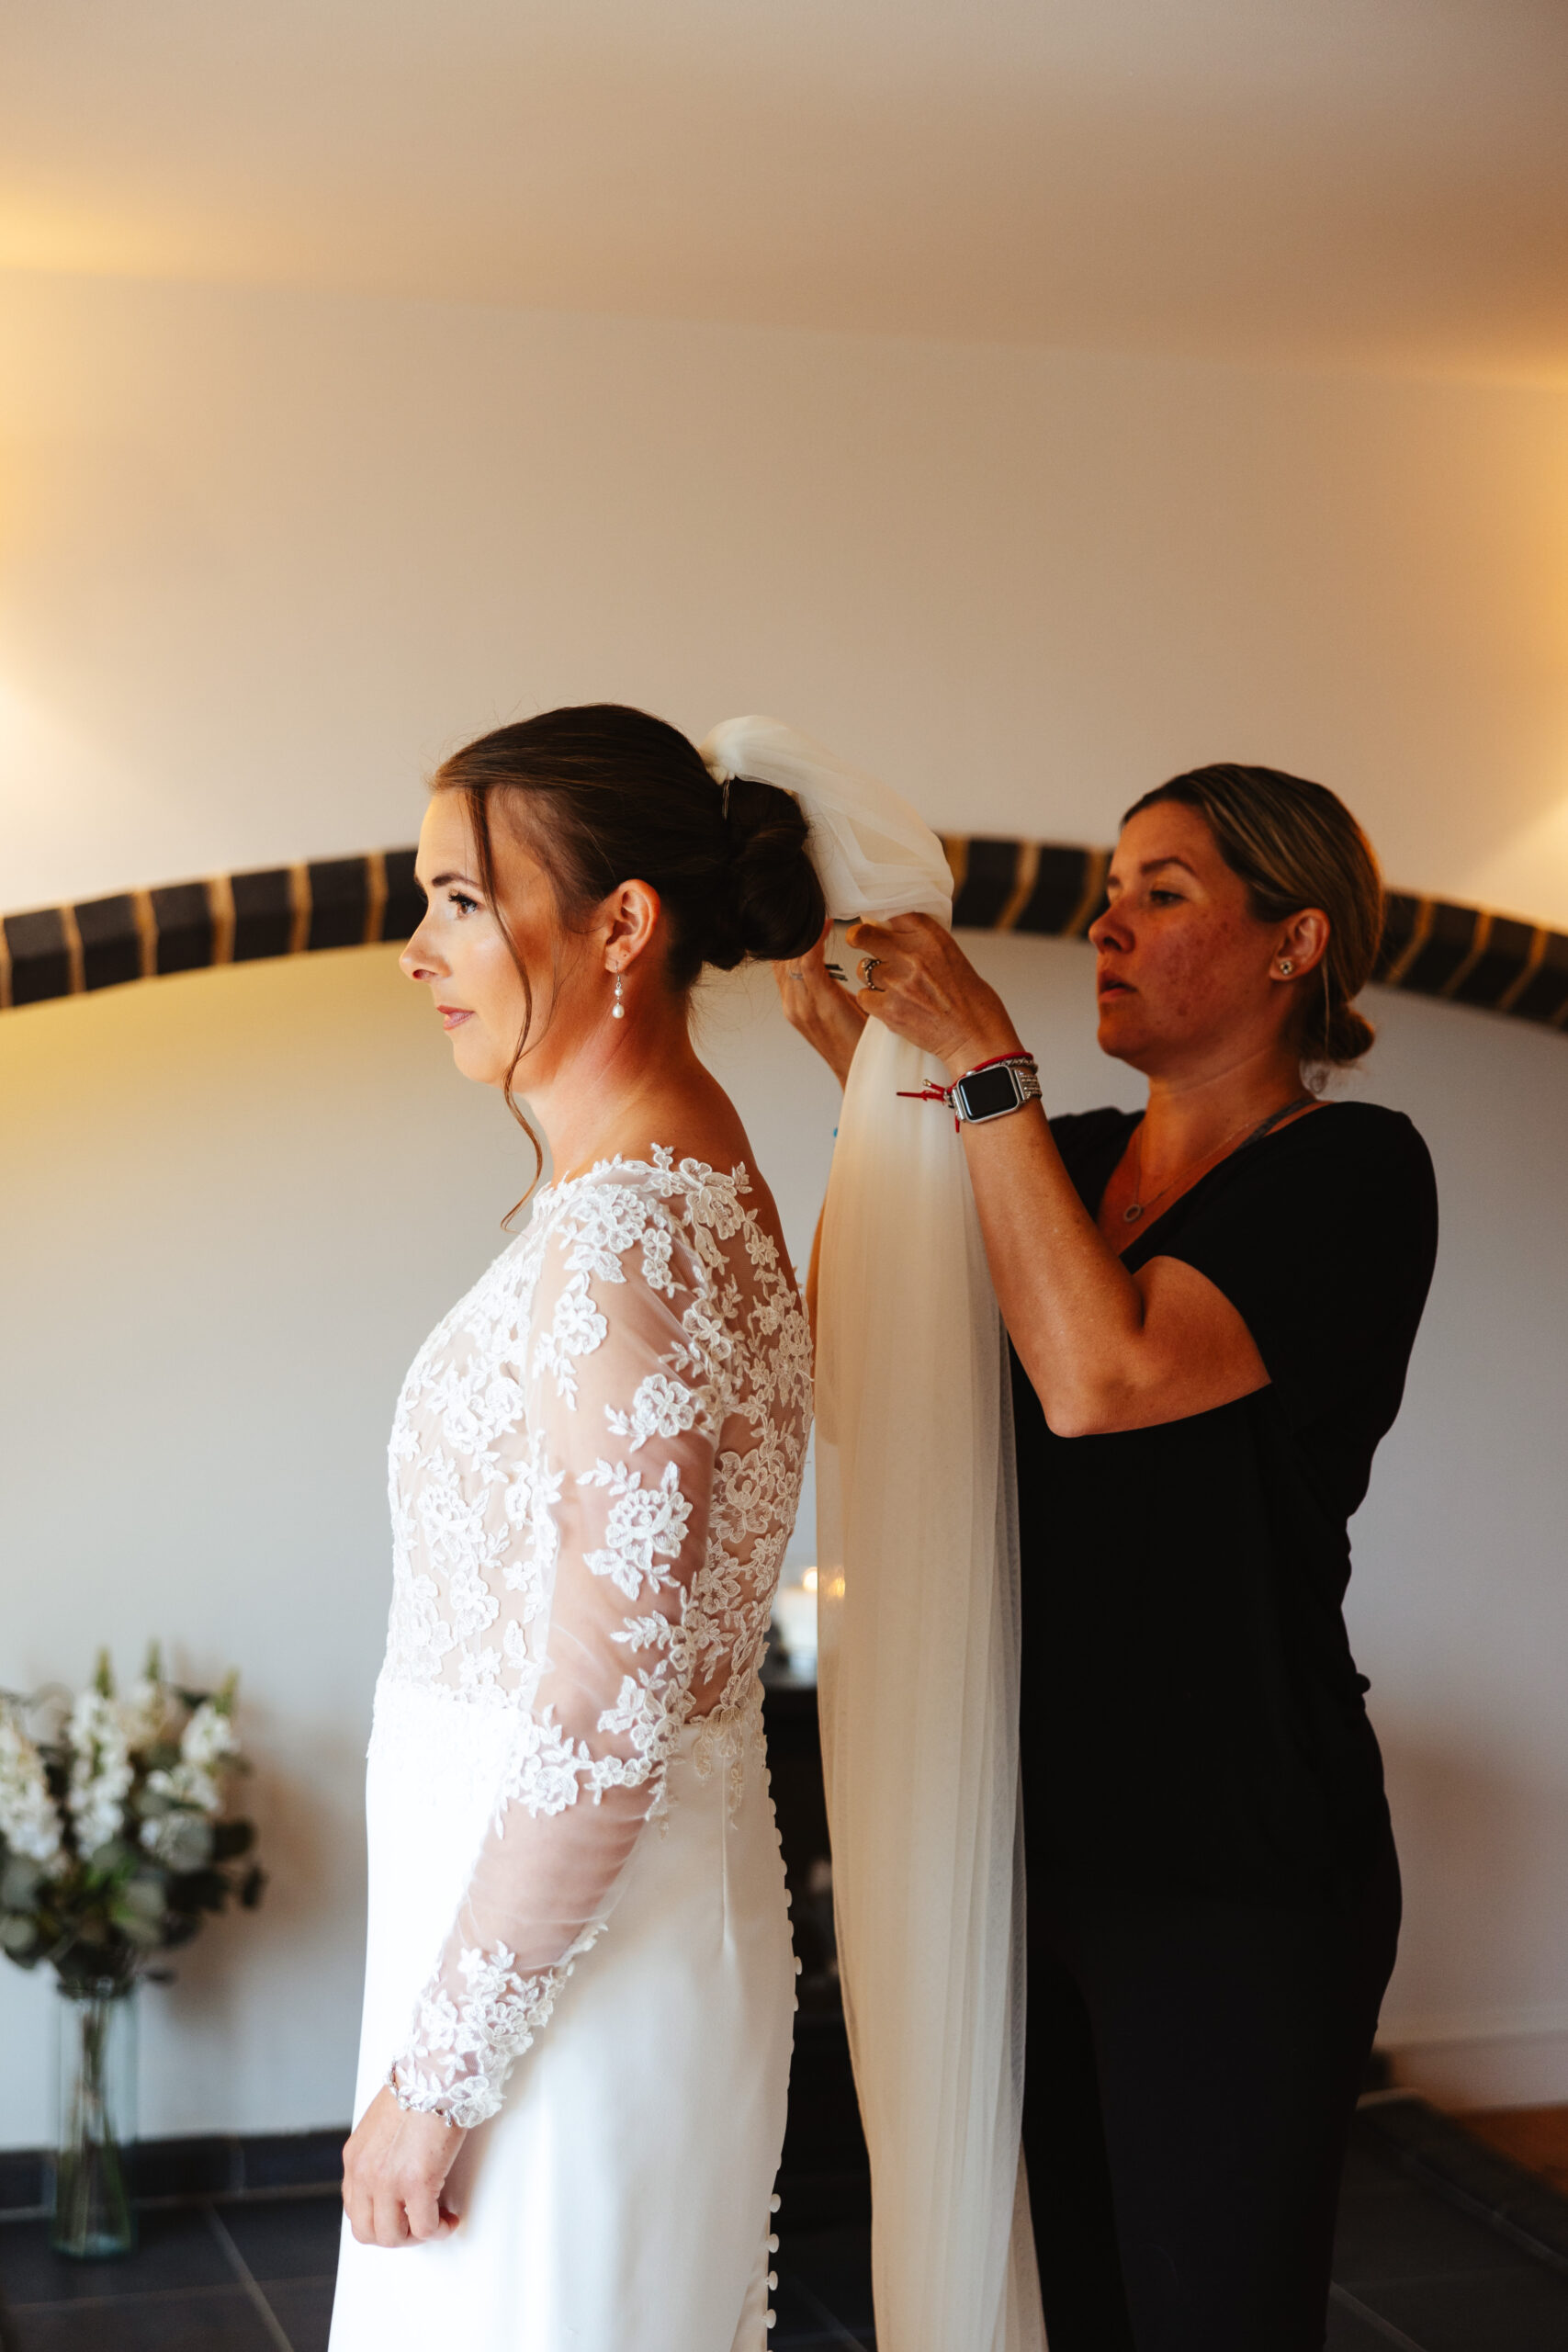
(1295, 845)
(604, 795)
(772, 906)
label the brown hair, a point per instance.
(602, 794)
(1295, 845)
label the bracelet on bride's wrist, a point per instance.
(389, 2082)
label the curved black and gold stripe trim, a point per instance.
(1050, 888)
(186, 926)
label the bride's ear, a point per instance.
(630, 917)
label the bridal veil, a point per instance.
(919, 1643)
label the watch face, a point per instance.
(988, 1092)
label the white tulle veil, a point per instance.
(919, 1601)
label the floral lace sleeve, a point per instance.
(607, 1503)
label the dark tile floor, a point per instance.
(254, 2274)
(1410, 2268)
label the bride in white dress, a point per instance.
(579, 1987)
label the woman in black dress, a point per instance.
(1212, 1305)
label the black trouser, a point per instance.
(1192, 2070)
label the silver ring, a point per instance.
(869, 964)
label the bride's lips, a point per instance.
(1109, 988)
(453, 1015)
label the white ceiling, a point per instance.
(1380, 181)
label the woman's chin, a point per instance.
(474, 1058)
(1121, 1032)
(1129, 1042)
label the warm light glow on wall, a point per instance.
(59, 786)
(75, 239)
(1529, 864)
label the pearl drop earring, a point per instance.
(617, 1011)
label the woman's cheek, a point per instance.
(1202, 975)
(497, 996)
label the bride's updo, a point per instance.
(602, 794)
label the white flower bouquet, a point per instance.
(114, 1841)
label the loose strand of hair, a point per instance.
(477, 800)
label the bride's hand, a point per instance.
(827, 1016)
(924, 986)
(394, 2168)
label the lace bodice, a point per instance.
(594, 1469)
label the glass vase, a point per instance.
(94, 2216)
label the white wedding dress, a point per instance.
(574, 1868)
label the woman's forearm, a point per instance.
(1074, 1315)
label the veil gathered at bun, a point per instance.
(917, 1589)
(873, 852)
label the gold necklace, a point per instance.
(1135, 1208)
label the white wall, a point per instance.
(264, 557)
(1459, 1606)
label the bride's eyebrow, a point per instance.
(441, 880)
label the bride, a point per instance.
(577, 2024)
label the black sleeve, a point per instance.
(1324, 1239)
(1090, 1143)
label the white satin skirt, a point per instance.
(620, 2201)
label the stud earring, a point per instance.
(1286, 968)
(617, 1011)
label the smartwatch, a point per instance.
(995, 1089)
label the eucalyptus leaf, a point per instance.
(20, 1880)
(185, 1842)
(146, 1934)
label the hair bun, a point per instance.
(770, 903)
(1339, 1036)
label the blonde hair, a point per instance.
(1295, 845)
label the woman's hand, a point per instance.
(925, 988)
(827, 1016)
(394, 2168)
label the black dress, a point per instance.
(1213, 1897)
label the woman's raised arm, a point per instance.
(1104, 1350)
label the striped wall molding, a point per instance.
(1051, 889)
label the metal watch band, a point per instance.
(1017, 1077)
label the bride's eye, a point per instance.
(461, 899)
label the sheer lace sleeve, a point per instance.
(607, 1507)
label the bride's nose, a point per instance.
(419, 960)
